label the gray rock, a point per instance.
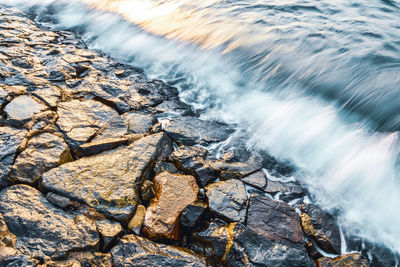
(80, 120)
(21, 109)
(82, 259)
(58, 200)
(97, 147)
(236, 170)
(109, 231)
(191, 130)
(10, 139)
(109, 182)
(257, 179)
(192, 213)
(228, 199)
(43, 152)
(139, 123)
(42, 229)
(115, 128)
(137, 251)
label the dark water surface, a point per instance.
(313, 82)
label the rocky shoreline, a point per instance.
(102, 167)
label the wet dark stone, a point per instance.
(21, 109)
(172, 108)
(58, 200)
(276, 220)
(192, 213)
(18, 260)
(327, 230)
(257, 179)
(137, 251)
(97, 147)
(139, 123)
(191, 130)
(10, 139)
(228, 199)
(237, 170)
(312, 251)
(165, 166)
(43, 152)
(109, 182)
(41, 228)
(290, 190)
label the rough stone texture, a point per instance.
(191, 160)
(109, 182)
(326, 231)
(173, 193)
(42, 229)
(18, 260)
(43, 152)
(115, 128)
(228, 199)
(191, 131)
(10, 139)
(288, 188)
(277, 220)
(236, 170)
(257, 179)
(165, 166)
(58, 200)
(135, 224)
(97, 147)
(354, 259)
(252, 247)
(83, 259)
(139, 123)
(80, 120)
(109, 231)
(137, 251)
(22, 108)
(192, 213)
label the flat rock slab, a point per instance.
(191, 130)
(22, 108)
(10, 139)
(43, 152)
(109, 182)
(174, 192)
(228, 199)
(80, 120)
(137, 251)
(139, 123)
(277, 220)
(41, 228)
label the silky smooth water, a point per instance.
(313, 82)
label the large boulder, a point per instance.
(10, 139)
(137, 251)
(80, 120)
(41, 229)
(109, 182)
(228, 199)
(43, 152)
(191, 130)
(174, 192)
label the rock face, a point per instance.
(22, 108)
(191, 130)
(137, 251)
(173, 193)
(236, 170)
(42, 229)
(139, 123)
(80, 120)
(135, 224)
(277, 220)
(228, 199)
(354, 259)
(43, 152)
(109, 231)
(10, 139)
(109, 182)
(192, 213)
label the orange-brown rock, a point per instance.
(173, 193)
(346, 260)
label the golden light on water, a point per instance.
(174, 20)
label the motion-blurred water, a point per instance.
(313, 82)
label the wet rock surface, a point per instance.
(109, 182)
(107, 153)
(174, 193)
(137, 251)
(42, 229)
(228, 199)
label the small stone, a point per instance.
(135, 224)
(228, 199)
(165, 166)
(97, 147)
(137, 251)
(353, 259)
(192, 213)
(257, 179)
(173, 193)
(147, 190)
(109, 231)
(191, 131)
(58, 200)
(22, 108)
